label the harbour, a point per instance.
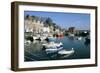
(34, 51)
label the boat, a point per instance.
(35, 37)
(79, 38)
(27, 42)
(51, 38)
(66, 52)
(42, 38)
(52, 44)
(53, 47)
(87, 41)
(71, 35)
(29, 38)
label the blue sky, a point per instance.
(80, 21)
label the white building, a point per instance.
(46, 30)
(33, 26)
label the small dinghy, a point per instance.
(53, 47)
(66, 52)
(79, 38)
(52, 44)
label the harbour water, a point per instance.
(34, 51)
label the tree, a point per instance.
(27, 16)
(48, 21)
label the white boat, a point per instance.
(52, 44)
(35, 37)
(53, 47)
(39, 38)
(43, 38)
(79, 38)
(66, 52)
(71, 35)
(27, 42)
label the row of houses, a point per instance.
(36, 26)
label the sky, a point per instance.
(80, 21)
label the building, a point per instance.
(33, 25)
(46, 29)
(72, 30)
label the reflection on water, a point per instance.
(34, 51)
